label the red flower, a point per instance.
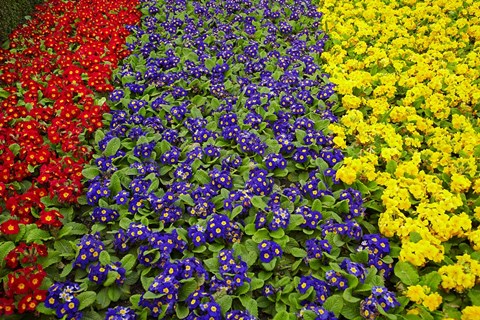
(10, 227)
(3, 189)
(44, 143)
(41, 249)
(12, 259)
(51, 218)
(26, 304)
(36, 280)
(6, 306)
(18, 285)
(40, 295)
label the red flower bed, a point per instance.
(57, 67)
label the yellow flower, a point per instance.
(471, 313)
(416, 293)
(410, 96)
(432, 301)
(414, 311)
(351, 102)
(460, 183)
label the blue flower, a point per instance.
(269, 250)
(120, 313)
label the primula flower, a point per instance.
(120, 313)
(269, 250)
(10, 226)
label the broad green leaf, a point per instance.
(334, 303)
(258, 202)
(112, 147)
(38, 235)
(250, 304)
(181, 311)
(225, 303)
(128, 261)
(90, 173)
(406, 272)
(104, 258)
(187, 287)
(114, 293)
(86, 299)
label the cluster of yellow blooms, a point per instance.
(408, 74)
(420, 295)
(462, 275)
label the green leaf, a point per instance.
(38, 235)
(210, 63)
(249, 256)
(433, 280)
(15, 148)
(415, 237)
(90, 173)
(270, 266)
(348, 297)
(151, 295)
(406, 273)
(5, 248)
(102, 298)
(104, 258)
(256, 283)
(99, 135)
(391, 166)
(225, 303)
(181, 311)
(351, 310)
(86, 299)
(66, 270)
(387, 315)
(258, 202)
(76, 228)
(187, 199)
(65, 231)
(188, 287)
(250, 304)
(63, 247)
(282, 315)
(111, 277)
(114, 293)
(277, 234)
(125, 222)
(243, 289)
(334, 303)
(298, 252)
(474, 295)
(295, 221)
(92, 315)
(360, 257)
(115, 184)
(309, 315)
(261, 235)
(202, 177)
(328, 201)
(44, 310)
(128, 261)
(211, 264)
(135, 299)
(112, 147)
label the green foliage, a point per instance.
(13, 13)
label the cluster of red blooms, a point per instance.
(25, 279)
(56, 66)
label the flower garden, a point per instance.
(241, 159)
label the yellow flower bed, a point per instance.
(408, 74)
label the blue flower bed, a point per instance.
(213, 190)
